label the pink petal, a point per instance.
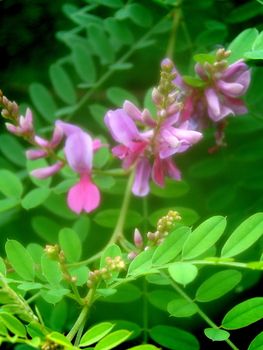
(213, 103)
(142, 175)
(84, 196)
(132, 111)
(230, 89)
(172, 170)
(16, 130)
(234, 70)
(56, 137)
(68, 129)
(121, 126)
(158, 172)
(96, 144)
(36, 154)
(79, 152)
(43, 173)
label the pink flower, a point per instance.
(25, 125)
(224, 89)
(42, 173)
(83, 196)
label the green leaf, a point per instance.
(171, 246)
(254, 55)
(112, 3)
(98, 113)
(242, 43)
(82, 227)
(125, 293)
(161, 297)
(95, 333)
(83, 63)
(172, 189)
(43, 101)
(29, 286)
(60, 339)
(80, 274)
(218, 285)
(101, 44)
(35, 197)
(101, 157)
(244, 236)
(139, 14)
(174, 338)
(257, 342)
(117, 96)
(10, 184)
(144, 347)
(55, 295)
(35, 164)
(204, 237)
(258, 43)
(51, 270)
(244, 314)
(34, 329)
(8, 203)
(112, 340)
(244, 12)
(204, 57)
(45, 228)
(70, 244)
(2, 266)
(62, 84)
(57, 205)
(109, 217)
(193, 81)
(119, 31)
(142, 263)
(182, 272)
(207, 168)
(180, 307)
(13, 324)
(216, 334)
(20, 259)
(12, 150)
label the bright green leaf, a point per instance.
(46, 228)
(35, 197)
(218, 285)
(8, 203)
(2, 266)
(60, 339)
(242, 43)
(95, 333)
(142, 263)
(174, 338)
(246, 234)
(254, 55)
(109, 217)
(216, 334)
(257, 342)
(244, 314)
(125, 293)
(161, 297)
(117, 96)
(20, 259)
(101, 44)
(13, 324)
(80, 274)
(204, 236)
(144, 347)
(29, 286)
(51, 270)
(171, 246)
(111, 251)
(182, 272)
(10, 184)
(112, 340)
(12, 150)
(180, 307)
(70, 244)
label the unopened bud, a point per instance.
(167, 65)
(137, 238)
(132, 255)
(157, 97)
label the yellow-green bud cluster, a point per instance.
(50, 345)
(115, 264)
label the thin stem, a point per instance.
(80, 320)
(201, 313)
(171, 43)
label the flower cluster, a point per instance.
(148, 143)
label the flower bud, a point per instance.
(137, 238)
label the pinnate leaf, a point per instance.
(95, 333)
(182, 272)
(242, 43)
(20, 259)
(204, 236)
(70, 244)
(257, 342)
(244, 314)
(10, 184)
(35, 197)
(62, 84)
(216, 334)
(43, 101)
(246, 234)
(112, 340)
(13, 324)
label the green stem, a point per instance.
(199, 311)
(118, 231)
(171, 43)
(80, 322)
(145, 312)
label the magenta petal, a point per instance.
(84, 196)
(132, 111)
(43, 173)
(172, 170)
(79, 152)
(230, 89)
(142, 175)
(234, 70)
(158, 172)
(36, 154)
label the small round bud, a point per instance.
(167, 65)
